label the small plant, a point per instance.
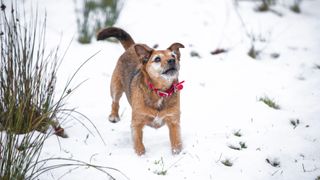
(243, 145)
(269, 102)
(264, 6)
(162, 170)
(273, 162)
(237, 133)
(194, 53)
(219, 51)
(227, 162)
(317, 178)
(296, 6)
(275, 55)
(234, 147)
(253, 53)
(294, 122)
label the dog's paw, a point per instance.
(176, 148)
(176, 151)
(140, 151)
(114, 119)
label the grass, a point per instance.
(227, 162)
(27, 93)
(30, 110)
(242, 145)
(237, 133)
(273, 162)
(162, 171)
(271, 103)
(296, 6)
(95, 14)
(253, 53)
(234, 147)
(295, 123)
(264, 6)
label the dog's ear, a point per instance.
(175, 48)
(143, 52)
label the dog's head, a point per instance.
(161, 65)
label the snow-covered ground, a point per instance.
(220, 102)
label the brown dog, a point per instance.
(150, 80)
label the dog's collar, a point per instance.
(174, 88)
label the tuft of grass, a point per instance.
(294, 123)
(30, 111)
(253, 53)
(194, 53)
(271, 103)
(273, 162)
(237, 133)
(162, 171)
(243, 145)
(227, 162)
(234, 147)
(275, 55)
(296, 6)
(264, 6)
(27, 94)
(317, 178)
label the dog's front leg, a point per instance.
(137, 136)
(175, 138)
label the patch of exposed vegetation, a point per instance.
(271, 103)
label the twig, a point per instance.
(93, 157)
(219, 158)
(175, 163)
(304, 170)
(275, 172)
(312, 170)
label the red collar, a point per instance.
(174, 88)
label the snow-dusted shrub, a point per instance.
(95, 14)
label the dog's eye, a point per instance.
(157, 59)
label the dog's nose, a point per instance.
(171, 61)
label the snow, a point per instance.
(220, 96)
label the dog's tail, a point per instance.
(125, 39)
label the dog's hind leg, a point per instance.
(116, 90)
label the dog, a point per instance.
(149, 78)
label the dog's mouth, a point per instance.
(170, 71)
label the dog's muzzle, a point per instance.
(171, 68)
